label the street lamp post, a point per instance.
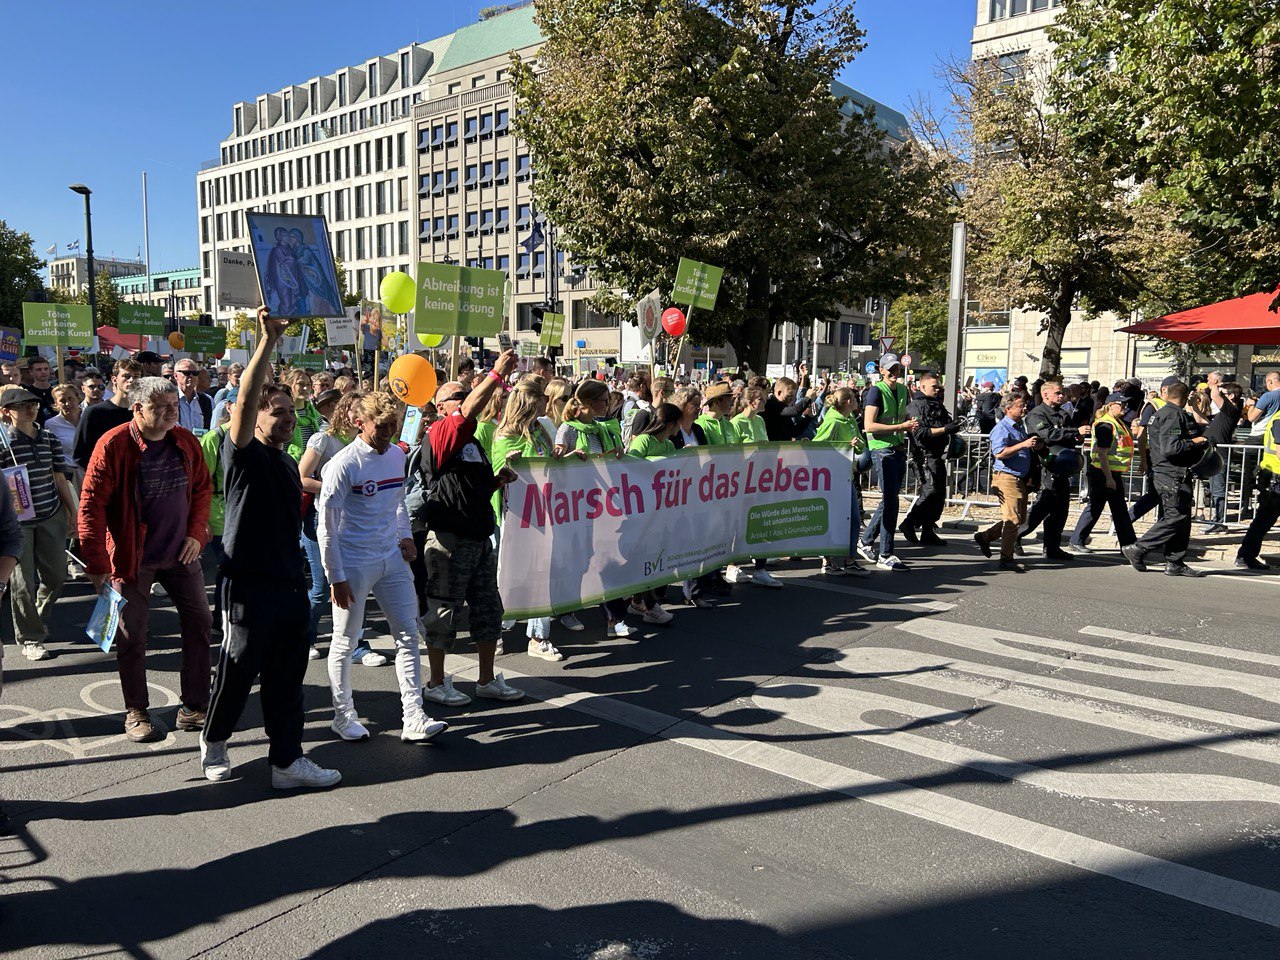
(84, 191)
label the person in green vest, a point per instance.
(299, 383)
(840, 426)
(487, 422)
(1268, 484)
(521, 435)
(715, 424)
(211, 446)
(1110, 457)
(654, 441)
(584, 434)
(884, 417)
(748, 424)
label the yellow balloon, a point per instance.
(432, 340)
(397, 291)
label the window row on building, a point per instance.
(474, 128)
(1003, 9)
(352, 121)
(367, 158)
(473, 176)
(446, 226)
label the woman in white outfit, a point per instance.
(361, 503)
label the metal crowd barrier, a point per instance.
(969, 480)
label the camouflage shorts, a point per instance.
(462, 590)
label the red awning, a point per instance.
(1247, 320)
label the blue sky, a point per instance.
(98, 93)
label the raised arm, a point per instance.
(245, 415)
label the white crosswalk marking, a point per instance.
(1206, 649)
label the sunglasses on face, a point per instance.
(459, 396)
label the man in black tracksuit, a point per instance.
(1050, 424)
(928, 447)
(1173, 450)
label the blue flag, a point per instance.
(534, 240)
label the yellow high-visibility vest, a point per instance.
(1120, 453)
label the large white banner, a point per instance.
(576, 532)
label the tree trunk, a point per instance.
(1059, 317)
(750, 341)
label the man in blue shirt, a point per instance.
(1011, 462)
(1266, 405)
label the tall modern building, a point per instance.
(1009, 342)
(411, 157)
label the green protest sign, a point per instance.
(697, 284)
(309, 361)
(207, 340)
(57, 325)
(459, 300)
(552, 330)
(139, 318)
(528, 348)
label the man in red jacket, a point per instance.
(144, 516)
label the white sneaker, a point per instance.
(867, 552)
(890, 562)
(543, 650)
(303, 773)
(313, 653)
(507, 625)
(349, 728)
(498, 689)
(446, 694)
(421, 729)
(658, 615)
(619, 629)
(734, 574)
(35, 651)
(157, 590)
(214, 760)
(763, 578)
(370, 658)
(570, 622)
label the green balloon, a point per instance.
(398, 291)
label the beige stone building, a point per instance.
(71, 274)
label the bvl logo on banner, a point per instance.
(576, 532)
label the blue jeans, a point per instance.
(318, 595)
(890, 466)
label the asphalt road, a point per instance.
(1080, 761)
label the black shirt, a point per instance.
(94, 422)
(785, 422)
(1222, 425)
(1169, 436)
(47, 409)
(263, 522)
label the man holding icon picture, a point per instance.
(266, 613)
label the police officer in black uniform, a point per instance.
(1174, 449)
(928, 448)
(1050, 424)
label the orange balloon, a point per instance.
(412, 380)
(177, 340)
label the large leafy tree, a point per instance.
(19, 274)
(926, 336)
(1182, 95)
(708, 129)
(1052, 228)
(107, 298)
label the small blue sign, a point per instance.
(870, 367)
(581, 344)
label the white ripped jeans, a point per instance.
(391, 583)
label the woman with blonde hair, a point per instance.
(361, 502)
(558, 392)
(487, 422)
(299, 383)
(584, 434)
(321, 448)
(840, 426)
(521, 434)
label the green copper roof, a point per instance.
(489, 38)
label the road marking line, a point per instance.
(1165, 671)
(1051, 843)
(922, 604)
(1092, 707)
(840, 710)
(1147, 639)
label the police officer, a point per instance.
(1268, 498)
(1109, 461)
(1149, 499)
(1173, 451)
(1050, 424)
(928, 446)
